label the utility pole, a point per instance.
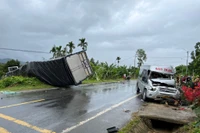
(134, 60)
(135, 64)
(187, 63)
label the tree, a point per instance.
(141, 56)
(53, 50)
(181, 69)
(83, 44)
(58, 51)
(10, 63)
(196, 53)
(64, 51)
(1, 70)
(118, 59)
(71, 47)
(92, 61)
(195, 56)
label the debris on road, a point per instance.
(112, 130)
(126, 111)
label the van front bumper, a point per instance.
(158, 95)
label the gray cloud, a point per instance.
(112, 28)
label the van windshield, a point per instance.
(155, 75)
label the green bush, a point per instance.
(18, 80)
(103, 71)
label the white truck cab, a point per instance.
(157, 82)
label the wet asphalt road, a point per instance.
(60, 110)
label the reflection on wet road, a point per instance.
(62, 109)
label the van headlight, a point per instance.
(153, 89)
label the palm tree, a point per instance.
(53, 50)
(59, 51)
(118, 59)
(83, 44)
(64, 51)
(71, 47)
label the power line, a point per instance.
(22, 50)
(151, 58)
(165, 57)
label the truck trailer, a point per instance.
(69, 70)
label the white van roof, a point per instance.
(160, 69)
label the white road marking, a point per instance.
(98, 114)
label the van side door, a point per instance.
(140, 79)
(144, 80)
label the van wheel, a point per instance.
(144, 95)
(137, 89)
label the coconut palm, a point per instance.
(53, 50)
(71, 47)
(59, 51)
(83, 44)
(118, 59)
(64, 51)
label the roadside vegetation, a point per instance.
(192, 90)
(193, 127)
(16, 83)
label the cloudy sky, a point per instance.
(163, 28)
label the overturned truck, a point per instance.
(69, 70)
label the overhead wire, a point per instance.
(22, 50)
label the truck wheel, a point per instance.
(144, 95)
(137, 89)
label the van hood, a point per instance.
(165, 82)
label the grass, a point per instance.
(91, 81)
(193, 127)
(26, 87)
(19, 83)
(129, 127)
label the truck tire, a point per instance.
(144, 95)
(137, 89)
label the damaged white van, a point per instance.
(157, 82)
